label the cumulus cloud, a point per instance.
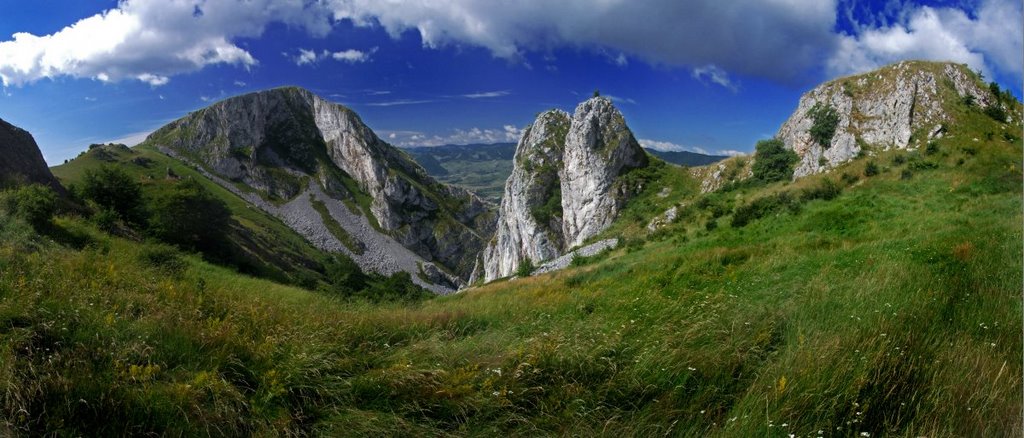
(666, 146)
(351, 56)
(507, 134)
(745, 36)
(992, 39)
(152, 40)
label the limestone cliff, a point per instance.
(562, 189)
(898, 106)
(277, 142)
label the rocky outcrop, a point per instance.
(883, 109)
(20, 159)
(563, 189)
(530, 216)
(598, 148)
(276, 142)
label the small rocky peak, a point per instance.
(20, 159)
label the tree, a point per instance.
(773, 162)
(597, 93)
(188, 215)
(826, 119)
(35, 203)
(112, 188)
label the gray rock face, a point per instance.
(20, 159)
(599, 146)
(280, 140)
(563, 189)
(565, 260)
(883, 109)
(534, 181)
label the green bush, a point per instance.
(871, 169)
(35, 203)
(826, 119)
(996, 112)
(163, 257)
(188, 215)
(773, 162)
(114, 189)
(825, 190)
(899, 159)
(906, 174)
(525, 267)
(932, 148)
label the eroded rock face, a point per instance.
(276, 141)
(883, 109)
(598, 148)
(534, 181)
(562, 189)
(20, 159)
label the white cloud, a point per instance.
(507, 134)
(487, 94)
(131, 139)
(351, 56)
(666, 146)
(399, 102)
(618, 99)
(669, 32)
(240, 84)
(994, 38)
(152, 40)
(714, 75)
(732, 153)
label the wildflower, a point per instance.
(865, 434)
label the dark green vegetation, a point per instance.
(173, 203)
(773, 162)
(826, 119)
(881, 306)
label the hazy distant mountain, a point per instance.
(482, 168)
(685, 158)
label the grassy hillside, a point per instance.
(891, 306)
(259, 244)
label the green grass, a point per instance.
(892, 309)
(335, 228)
(264, 245)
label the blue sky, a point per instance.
(702, 75)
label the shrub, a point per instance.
(163, 257)
(106, 219)
(112, 188)
(922, 165)
(932, 148)
(525, 267)
(711, 224)
(871, 169)
(906, 174)
(826, 190)
(186, 214)
(899, 159)
(849, 178)
(35, 203)
(826, 119)
(996, 112)
(762, 207)
(773, 162)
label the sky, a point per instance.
(706, 76)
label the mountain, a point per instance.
(899, 106)
(480, 168)
(564, 186)
(20, 159)
(318, 168)
(686, 158)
